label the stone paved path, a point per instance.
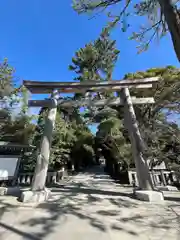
(91, 206)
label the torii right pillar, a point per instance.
(146, 190)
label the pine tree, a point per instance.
(15, 126)
(162, 16)
(6, 90)
(95, 62)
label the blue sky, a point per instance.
(39, 37)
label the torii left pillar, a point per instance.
(38, 192)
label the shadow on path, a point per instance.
(19, 232)
(83, 205)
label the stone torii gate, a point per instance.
(38, 191)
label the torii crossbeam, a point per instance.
(76, 87)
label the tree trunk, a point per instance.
(172, 18)
(137, 143)
(41, 169)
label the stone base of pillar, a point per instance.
(12, 191)
(35, 196)
(167, 188)
(149, 196)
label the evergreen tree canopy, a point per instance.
(158, 17)
(95, 62)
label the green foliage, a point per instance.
(163, 140)
(14, 127)
(161, 136)
(18, 130)
(72, 141)
(104, 114)
(63, 138)
(83, 151)
(96, 60)
(166, 92)
(110, 134)
(6, 90)
(6, 79)
(29, 161)
(15, 124)
(40, 127)
(153, 13)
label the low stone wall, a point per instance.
(159, 177)
(52, 177)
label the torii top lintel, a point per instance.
(75, 87)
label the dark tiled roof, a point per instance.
(14, 146)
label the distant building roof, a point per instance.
(4, 146)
